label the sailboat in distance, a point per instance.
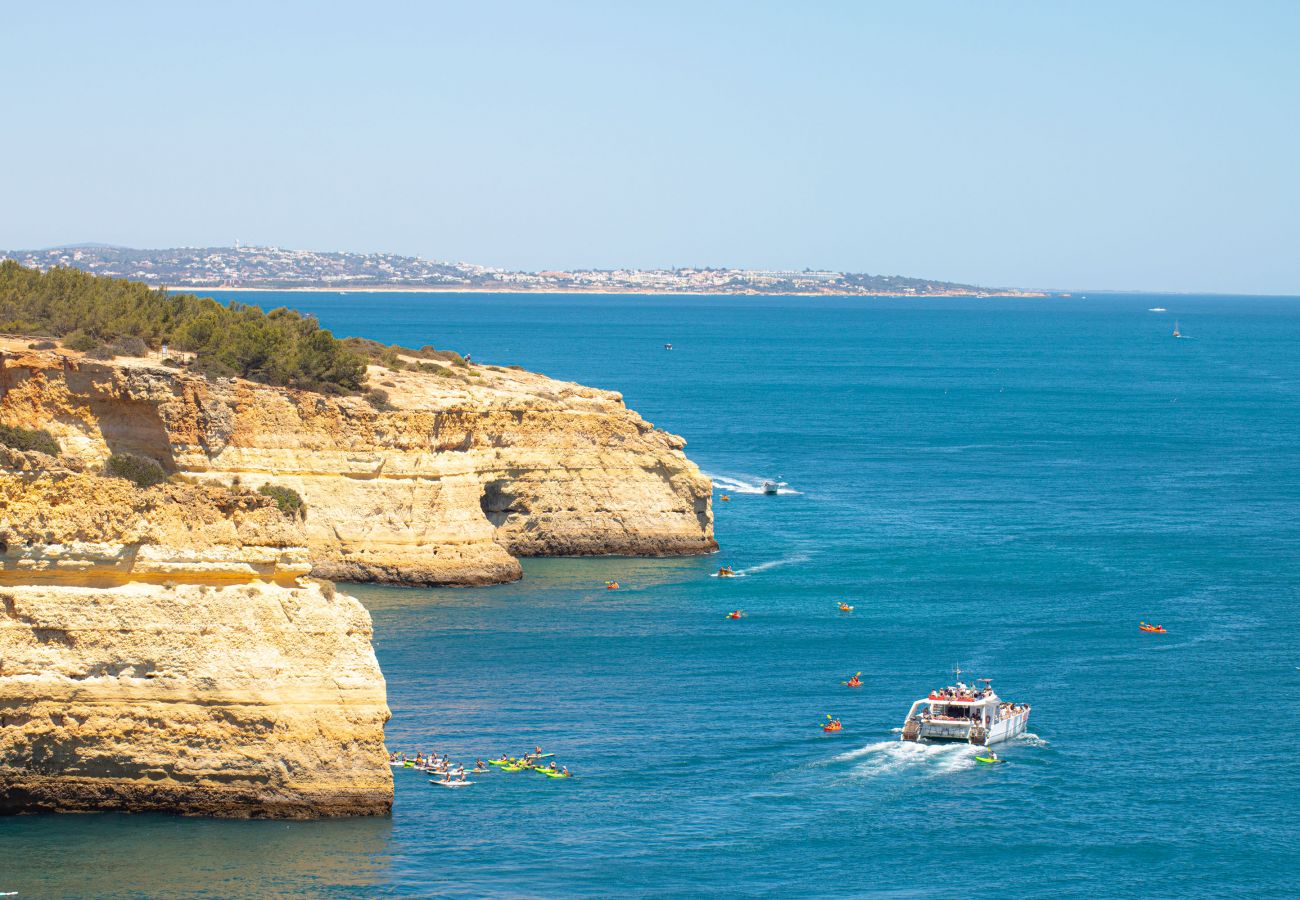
(1177, 333)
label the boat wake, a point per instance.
(763, 567)
(729, 485)
(891, 757)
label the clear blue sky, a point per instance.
(1075, 145)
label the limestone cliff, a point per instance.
(159, 650)
(468, 469)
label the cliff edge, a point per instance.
(458, 472)
(160, 650)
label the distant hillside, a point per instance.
(271, 267)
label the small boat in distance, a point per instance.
(773, 487)
(1157, 309)
(1176, 331)
(668, 346)
(966, 713)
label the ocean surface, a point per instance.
(1006, 484)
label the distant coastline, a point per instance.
(644, 292)
(244, 268)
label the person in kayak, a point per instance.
(855, 681)
(565, 772)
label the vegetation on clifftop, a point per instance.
(281, 347)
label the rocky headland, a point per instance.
(163, 644)
(160, 649)
(457, 473)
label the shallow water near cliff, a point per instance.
(1010, 485)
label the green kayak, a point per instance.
(987, 759)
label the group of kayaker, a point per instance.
(451, 774)
(448, 772)
(531, 761)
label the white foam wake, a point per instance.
(763, 567)
(748, 485)
(889, 757)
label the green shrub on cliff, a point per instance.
(139, 470)
(288, 500)
(279, 347)
(29, 439)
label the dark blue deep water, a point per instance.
(1008, 484)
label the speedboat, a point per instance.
(1157, 309)
(967, 713)
(773, 487)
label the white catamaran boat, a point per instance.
(967, 713)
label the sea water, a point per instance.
(1010, 485)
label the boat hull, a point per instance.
(1003, 730)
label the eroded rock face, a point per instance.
(160, 651)
(467, 471)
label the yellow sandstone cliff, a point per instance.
(467, 470)
(160, 649)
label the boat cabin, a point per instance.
(963, 712)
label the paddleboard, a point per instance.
(451, 783)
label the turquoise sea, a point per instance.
(1006, 484)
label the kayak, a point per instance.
(451, 783)
(499, 762)
(550, 774)
(987, 759)
(512, 768)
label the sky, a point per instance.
(1072, 145)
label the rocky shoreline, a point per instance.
(164, 647)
